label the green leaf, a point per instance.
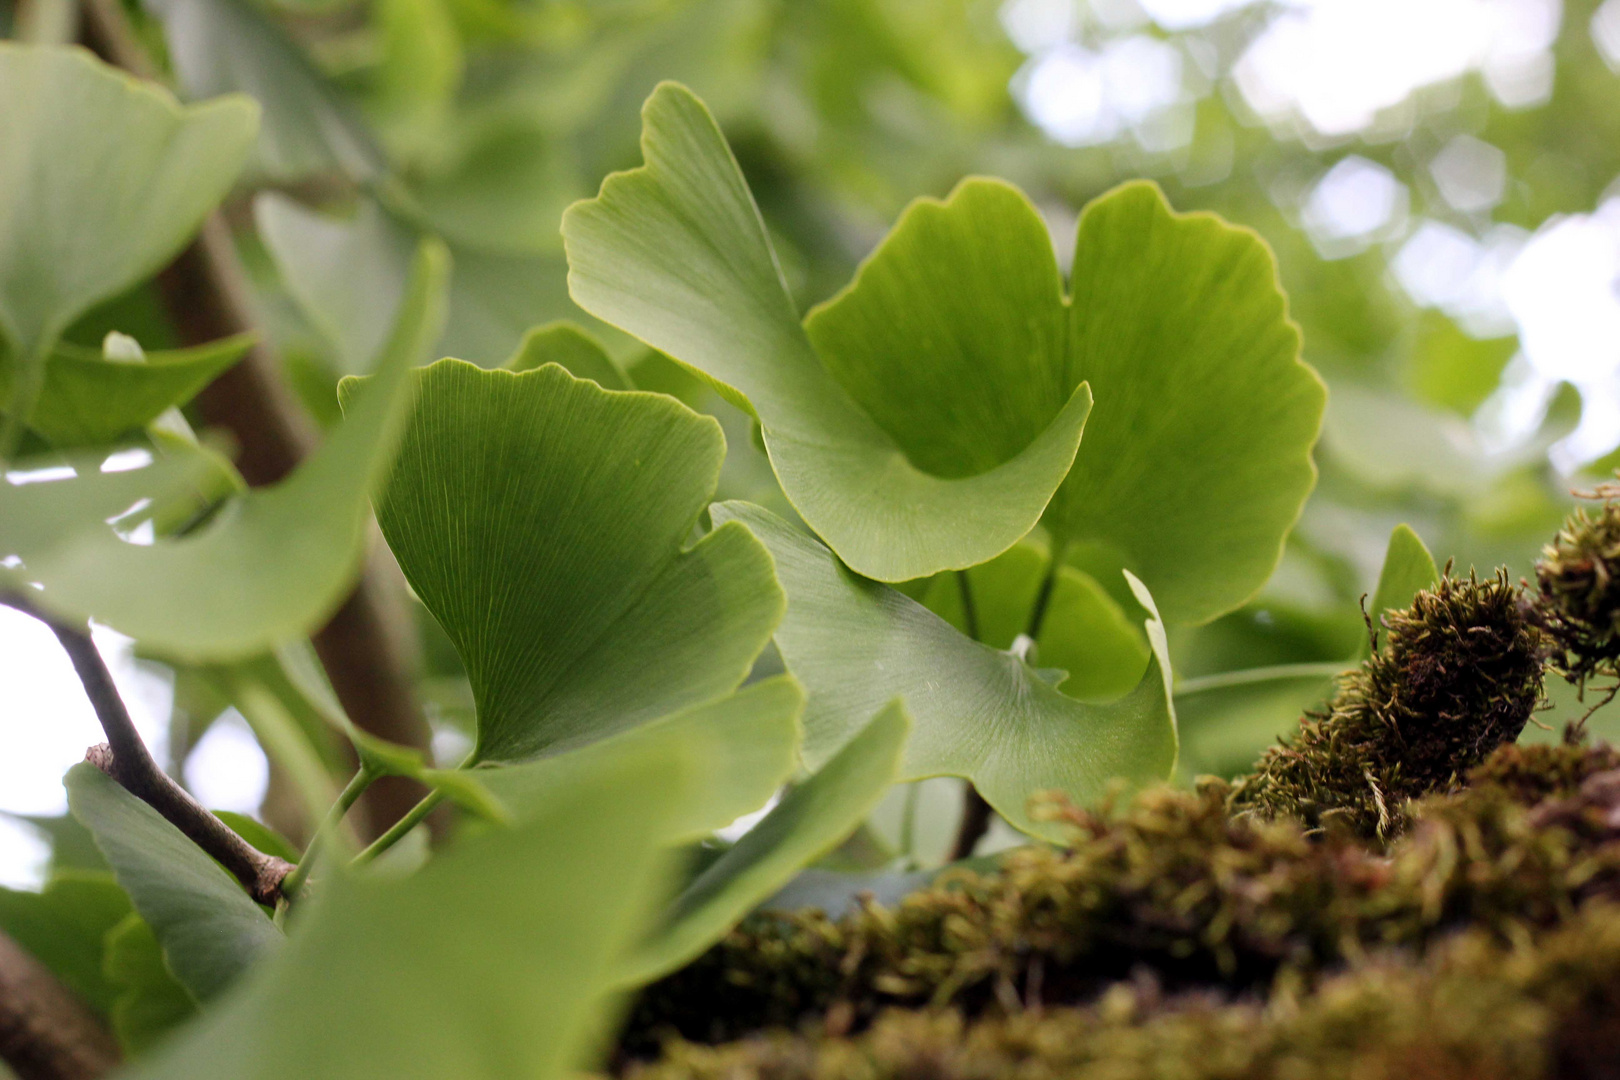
(543, 521)
(211, 931)
(64, 927)
(90, 398)
(521, 924)
(676, 254)
(810, 821)
(1083, 631)
(564, 343)
(979, 712)
(1408, 570)
(748, 742)
(259, 835)
(1226, 721)
(84, 217)
(274, 563)
(149, 1002)
(220, 46)
(348, 276)
(957, 339)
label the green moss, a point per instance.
(1578, 603)
(1172, 886)
(1458, 676)
(1475, 1008)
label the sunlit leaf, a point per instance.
(274, 563)
(210, 929)
(82, 216)
(978, 712)
(544, 523)
(675, 253)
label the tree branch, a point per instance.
(46, 1032)
(125, 758)
(975, 823)
(206, 294)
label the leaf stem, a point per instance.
(970, 612)
(125, 758)
(328, 828)
(1037, 614)
(1275, 673)
(404, 825)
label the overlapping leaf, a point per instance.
(524, 924)
(82, 216)
(272, 564)
(957, 339)
(676, 254)
(978, 712)
(211, 931)
(543, 521)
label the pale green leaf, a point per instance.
(521, 924)
(544, 522)
(978, 712)
(220, 46)
(1408, 570)
(89, 398)
(811, 820)
(210, 929)
(675, 253)
(83, 216)
(566, 344)
(748, 742)
(65, 925)
(274, 563)
(150, 1002)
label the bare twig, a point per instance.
(975, 823)
(206, 295)
(125, 758)
(46, 1032)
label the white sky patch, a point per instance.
(1605, 29)
(1189, 14)
(23, 855)
(1084, 97)
(737, 829)
(1354, 203)
(1335, 65)
(227, 770)
(136, 457)
(1470, 173)
(1037, 25)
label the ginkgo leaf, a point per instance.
(564, 343)
(812, 819)
(544, 522)
(1408, 570)
(272, 564)
(676, 254)
(92, 397)
(524, 923)
(957, 339)
(978, 712)
(210, 929)
(82, 216)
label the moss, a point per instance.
(1458, 676)
(1475, 1008)
(1578, 602)
(1172, 886)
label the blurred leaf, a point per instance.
(978, 712)
(82, 217)
(259, 835)
(748, 742)
(211, 931)
(1408, 570)
(89, 398)
(1451, 369)
(543, 522)
(348, 276)
(1226, 721)
(521, 924)
(810, 821)
(150, 1001)
(274, 563)
(505, 192)
(676, 254)
(566, 344)
(1083, 630)
(64, 927)
(220, 46)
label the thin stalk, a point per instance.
(125, 758)
(404, 825)
(1043, 599)
(970, 612)
(976, 813)
(327, 829)
(1275, 673)
(908, 827)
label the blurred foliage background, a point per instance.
(1440, 180)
